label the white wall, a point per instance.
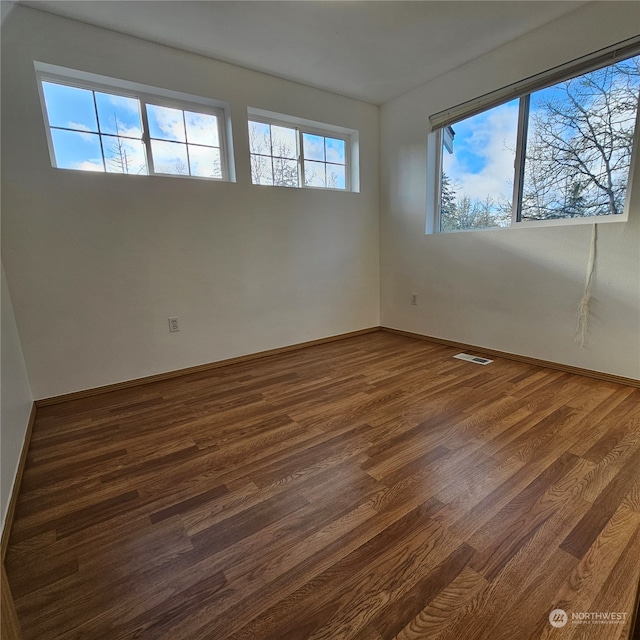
(515, 290)
(96, 263)
(16, 400)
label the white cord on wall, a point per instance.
(583, 308)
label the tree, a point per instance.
(579, 144)
(575, 201)
(271, 163)
(180, 167)
(466, 213)
(577, 154)
(276, 162)
(458, 213)
(447, 198)
(118, 157)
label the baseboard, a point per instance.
(635, 618)
(264, 354)
(598, 375)
(86, 393)
(10, 627)
(128, 384)
(11, 509)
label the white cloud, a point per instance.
(169, 157)
(89, 165)
(78, 126)
(204, 161)
(125, 131)
(335, 151)
(83, 132)
(202, 128)
(169, 122)
(314, 147)
(493, 141)
(283, 141)
(259, 138)
(124, 102)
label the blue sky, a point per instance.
(181, 140)
(119, 121)
(484, 145)
(325, 157)
(68, 106)
(484, 153)
(73, 108)
(324, 161)
(118, 114)
(73, 148)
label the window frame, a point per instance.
(145, 95)
(435, 151)
(301, 126)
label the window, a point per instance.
(285, 154)
(562, 153)
(94, 126)
(184, 142)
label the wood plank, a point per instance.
(582, 536)
(10, 625)
(484, 352)
(366, 489)
(392, 618)
(15, 490)
(132, 384)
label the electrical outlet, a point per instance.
(414, 299)
(173, 325)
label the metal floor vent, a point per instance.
(476, 359)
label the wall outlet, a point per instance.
(173, 325)
(414, 299)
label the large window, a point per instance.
(98, 127)
(284, 154)
(560, 153)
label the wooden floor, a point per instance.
(372, 488)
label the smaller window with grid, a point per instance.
(94, 130)
(184, 141)
(106, 125)
(325, 161)
(295, 154)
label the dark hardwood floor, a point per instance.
(372, 488)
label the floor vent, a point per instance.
(476, 359)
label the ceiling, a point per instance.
(370, 50)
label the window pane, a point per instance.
(313, 147)
(336, 176)
(205, 161)
(170, 157)
(286, 156)
(260, 138)
(70, 107)
(76, 150)
(165, 123)
(478, 157)
(284, 142)
(314, 174)
(124, 155)
(285, 173)
(579, 144)
(335, 150)
(261, 170)
(119, 115)
(202, 128)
